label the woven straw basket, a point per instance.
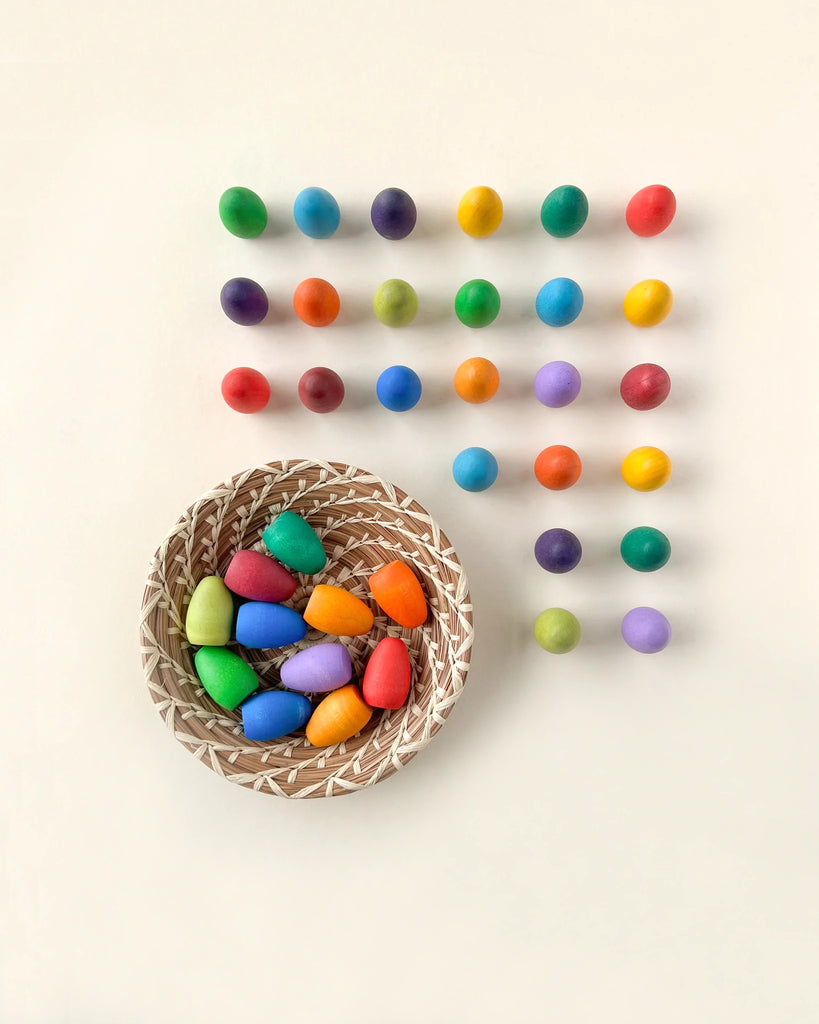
(364, 522)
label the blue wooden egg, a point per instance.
(475, 469)
(274, 713)
(559, 302)
(316, 212)
(261, 624)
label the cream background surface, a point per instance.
(597, 837)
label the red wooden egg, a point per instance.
(259, 577)
(645, 386)
(321, 389)
(387, 677)
(651, 210)
(245, 389)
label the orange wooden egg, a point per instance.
(397, 591)
(558, 467)
(337, 611)
(316, 302)
(476, 380)
(339, 716)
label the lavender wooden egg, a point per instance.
(318, 669)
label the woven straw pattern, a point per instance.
(364, 522)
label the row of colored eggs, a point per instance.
(398, 388)
(558, 467)
(643, 548)
(480, 212)
(558, 303)
(644, 629)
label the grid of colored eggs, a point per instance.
(477, 304)
(261, 583)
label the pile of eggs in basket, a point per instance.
(264, 622)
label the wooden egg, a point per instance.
(210, 613)
(262, 625)
(646, 468)
(651, 210)
(318, 669)
(339, 716)
(398, 593)
(274, 713)
(226, 677)
(337, 611)
(387, 677)
(258, 577)
(295, 543)
(480, 211)
(648, 303)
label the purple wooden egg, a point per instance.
(558, 550)
(557, 384)
(244, 301)
(646, 630)
(318, 669)
(393, 213)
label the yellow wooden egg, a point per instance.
(646, 468)
(648, 303)
(339, 716)
(480, 211)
